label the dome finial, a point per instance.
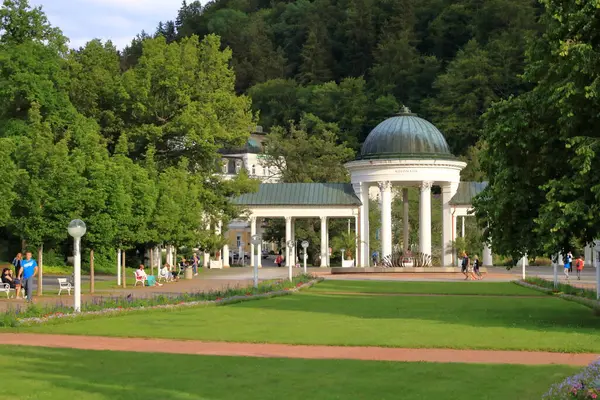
(405, 111)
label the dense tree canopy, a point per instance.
(542, 155)
(133, 153)
(352, 62)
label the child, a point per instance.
(579, 266)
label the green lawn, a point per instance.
(460, 288)
(49, 374)
(400, 321)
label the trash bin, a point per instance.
(189, 273)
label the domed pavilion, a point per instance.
(405, 151)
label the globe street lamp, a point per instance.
(256, 240)
(305, 246)
(77, 229)
(290, 245)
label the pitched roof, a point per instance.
(301, 194)
(466, 193)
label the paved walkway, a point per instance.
(291, 351)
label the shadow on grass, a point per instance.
(85, 374)
(540, 314)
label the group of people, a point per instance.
(471, 269)
(169, 272)
(568, 267)
(22, 277)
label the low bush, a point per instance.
(15, 316)
(562, 288)
(585, 385)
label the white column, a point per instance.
(288, 237)
(294, 239)
(462, 231)
(587, 255)
(226, 256)
(206, 256)
(487, 256)
(119, 267)
(425, 218)
(405, 232)
(386, 218)
(356, 247)
(324, 249)
(448, 220)
(362, 192)
(218, 231)
(259, 246)
(252, 233)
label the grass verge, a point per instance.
(97, 375)
(502, 323)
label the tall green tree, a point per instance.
(301, 156)
(182, 103)
(542, 145)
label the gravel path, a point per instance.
(291, 351)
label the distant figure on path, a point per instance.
(466, 264)
(195, 264)
(570, 261)
(566, 268)
(579, 263)
(375, 257)
(17, 264)
(28, 271)
(476, 265)
(279, 260)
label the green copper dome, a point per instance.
(405, 136)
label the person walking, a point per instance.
(570, 261)
(466, 264)
(566, 268)
(195, 264)
(476, 265)
(17, 264)
(579, 263)
(28, 271)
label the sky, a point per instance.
(117, 20)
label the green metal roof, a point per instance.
(466, 193)
(405, 136)
(301, 194)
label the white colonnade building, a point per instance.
(403, 152)
(406, 151)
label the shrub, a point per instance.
(562, 288)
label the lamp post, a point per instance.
(305, 246)
(290, 245)
(256, 240)
(77, 229)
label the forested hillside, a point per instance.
(353, 62)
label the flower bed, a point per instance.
(584, 385)
(116, 305)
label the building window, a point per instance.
(231, 167)
(254, 170)
(238, 241)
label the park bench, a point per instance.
(139, 279)
(64, 284)
(5, 287)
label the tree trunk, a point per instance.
(123, 268)
(40, 261)
(92, 271)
